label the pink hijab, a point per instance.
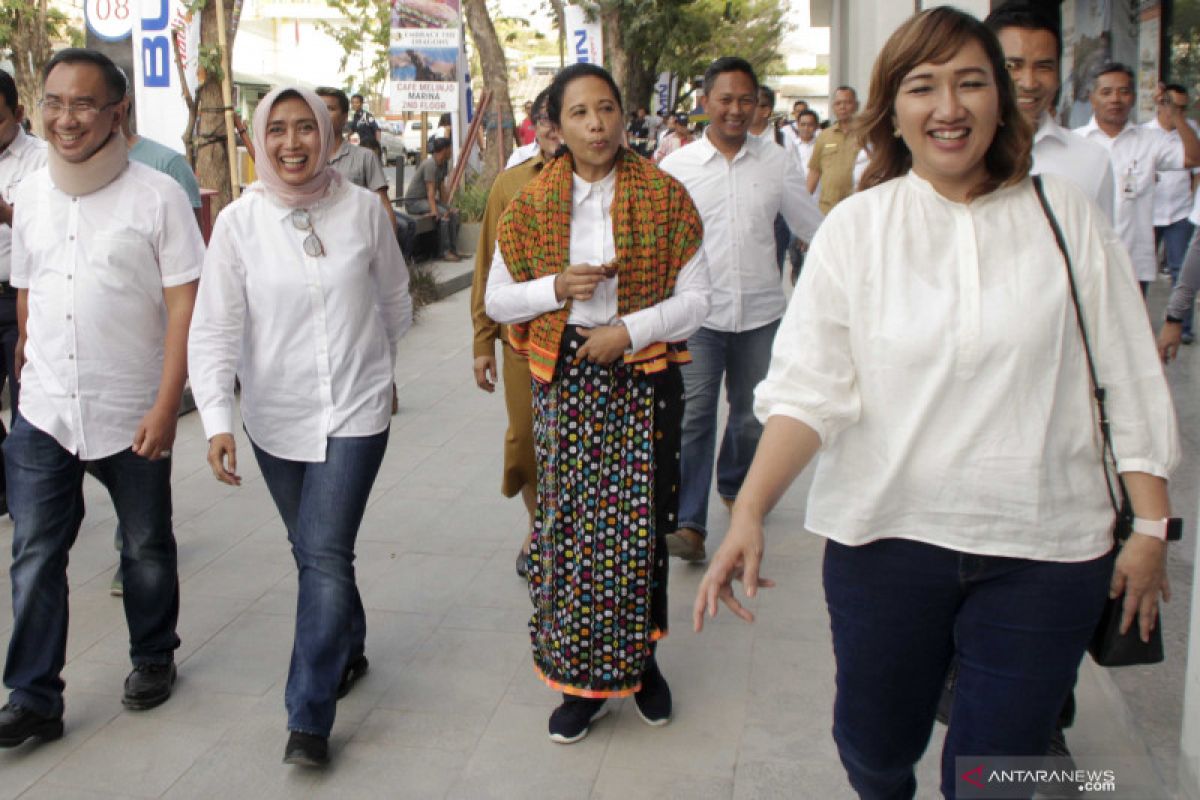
(313, 189)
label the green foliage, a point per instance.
(709, 29)
(58, 26)
(471, 201)
(366, 33)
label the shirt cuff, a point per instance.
(1142, 465)
(216, 420)
(818, 425)
(637, 324)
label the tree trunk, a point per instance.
(560, 22)
(498, 122)
(212, 159)
(616, 58)
(30, 52)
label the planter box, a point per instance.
(468, 237)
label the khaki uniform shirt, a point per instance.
(833, 156)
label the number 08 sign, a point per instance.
(111, 20)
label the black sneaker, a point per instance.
(18, 724)
(149, 685)
(306, 750)
(571, 721)
(350, 675)
(653, 700)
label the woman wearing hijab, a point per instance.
(600, 256)
(304, 296)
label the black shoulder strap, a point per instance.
(1098, 393)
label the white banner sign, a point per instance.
(663, 97)
(585, 42)
(424, 55)
(161, 111)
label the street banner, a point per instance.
(585, 41)
(424, 55)
(162, 114)
(662, 99)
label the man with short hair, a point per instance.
(676, 137)
(1173, 192)
(739, 184)
(363, 123)
(791, 130)
(356, 164)
(106, 258)
(1032, 45)
(835, 152)
(807, 124)
(760, 126)
(20, 156)
(422, 197)
(520, 465)
(1137, 154)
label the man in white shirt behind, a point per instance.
(1173, 191)
(739, 185)
(1137, 155)
(1032, 47)
(20, 155)
(106, 256)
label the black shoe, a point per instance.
(149, 685)
(522, 564)
(571, 721)
(350, 675)
(653, 700)
(306, 750)
(18, 724)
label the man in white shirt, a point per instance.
(1173, 191)
(20, 155)
(760, 126)
(807, 125)
(1137, 155)
(739, 185)
(791, 131)
(106, 255)
(1033, 51)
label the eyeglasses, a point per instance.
(82, 110)
(302, 221)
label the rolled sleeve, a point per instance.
(180, 245)
(812, 375)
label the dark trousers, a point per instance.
(8, 345)
(322, 505)
(447, 226)
(901, 611)
(45, 497)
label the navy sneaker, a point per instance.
(571, 721)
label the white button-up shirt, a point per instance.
(1172, 190)
(23, 156)
(522, 154)
(739, 199)
(313, 339)
(802, 151)
(95, 267)
(1058, 151)
(1137, 154)
(672, 320)
(940, 362)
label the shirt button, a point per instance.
(71, 237)
(69, 276)
(68, 316)
(70, 356)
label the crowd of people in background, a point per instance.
(959, 258)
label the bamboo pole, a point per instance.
(227, 100)
(472, 135)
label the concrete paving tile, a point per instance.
(23, 767)
(497, 584)
(624, 784)
(242, 770)
(422, 583)
(245, 571)
(506, 619)
(788, 780)
(456, 733)
(451, 690)
(248, 656)
(702, 737)
(50, 790)
(518, 734)
(507, 778)
(385, 771)
(143, 755)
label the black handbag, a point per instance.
(1109, 647)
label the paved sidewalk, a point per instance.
(451, 707)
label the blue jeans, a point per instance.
(322, 505)
(900, 611)
(742, 358)
(1175, 238)
(45, 497)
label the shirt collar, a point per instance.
(581, 190)
(749, 147)
(1093, 127)
(18, 144)
(341, 153)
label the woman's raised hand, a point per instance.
(579, 281)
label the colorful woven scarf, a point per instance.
(656, 228)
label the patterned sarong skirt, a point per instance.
(607, 444)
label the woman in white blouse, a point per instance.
(304, 296)
(600, 273)
(932, 356)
